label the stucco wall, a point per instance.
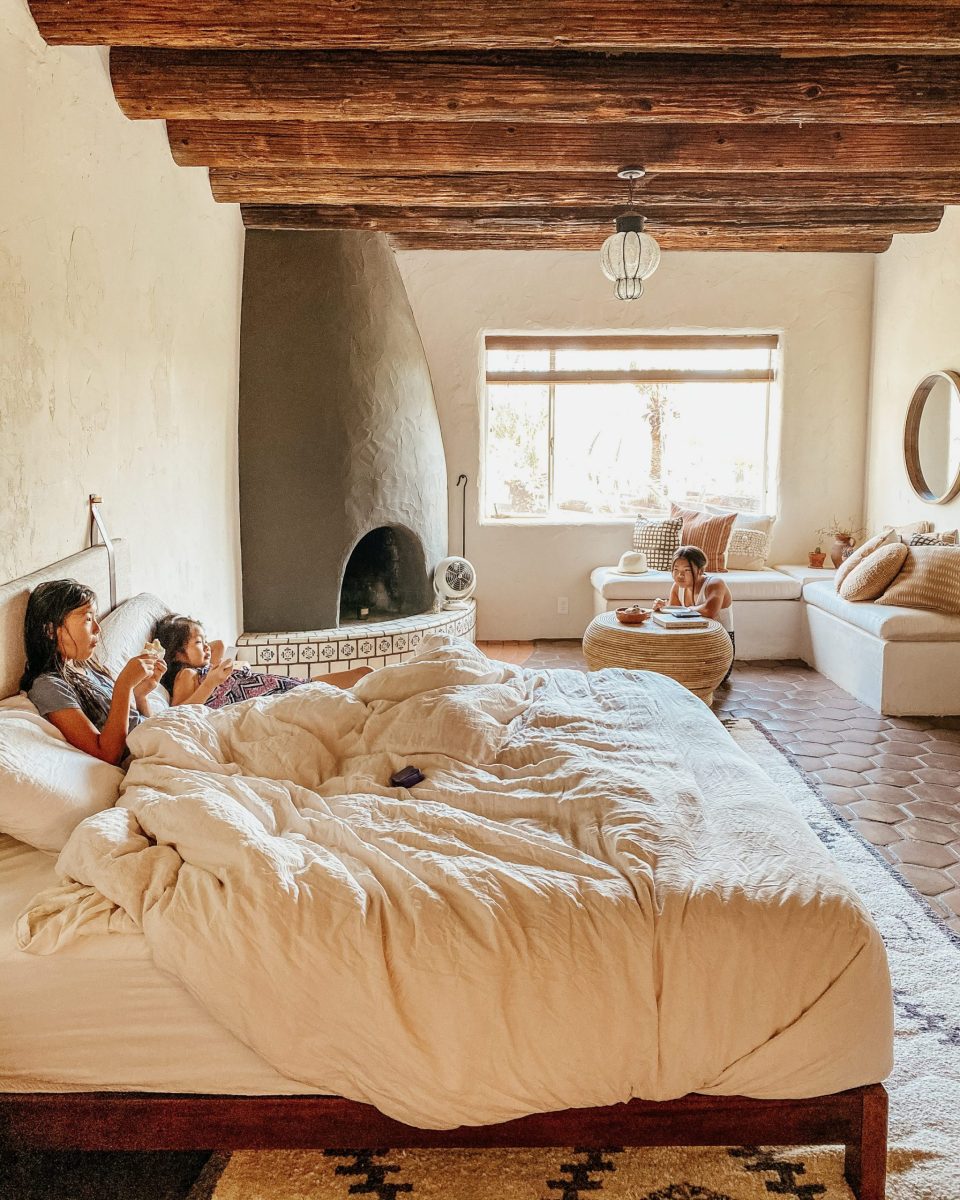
(119, 328)
(819, 304)
(915, 332)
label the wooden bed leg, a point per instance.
(865, 1162)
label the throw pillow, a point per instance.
(929, 578)
(873, 574)
(748, 549)
(746, 554)
(47, 786)
(948, 537)
(906, 532)
(711, 533)
(658, 539)
(856, 557)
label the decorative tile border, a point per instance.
(316, 652)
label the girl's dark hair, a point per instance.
(173, 633)
(49, 606)
(694, 556)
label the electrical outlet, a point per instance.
(563, 605)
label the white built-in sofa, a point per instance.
(899, 661)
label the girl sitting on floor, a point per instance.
(197, 672)
(67, 683)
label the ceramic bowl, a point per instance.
(634, 615)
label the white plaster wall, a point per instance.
(819, 304)
(119, 334)
(916, 308)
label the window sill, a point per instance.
(555, 520)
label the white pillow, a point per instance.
(125, 631)
(47, 786)
(748, 553)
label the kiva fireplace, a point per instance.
(343, 483)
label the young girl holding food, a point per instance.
(67, 683)
(197, 673)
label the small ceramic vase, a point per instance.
(840, 549)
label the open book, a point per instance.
(680, 618)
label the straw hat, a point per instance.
(633, 562)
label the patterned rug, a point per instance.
(924, 1159)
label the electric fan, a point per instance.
(454, 579)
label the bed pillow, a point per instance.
(47, 786)
(862, 552)
(659, 539)
(873, 574)
(708, 531)
(929, 578)
(125, 631)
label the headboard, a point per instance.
(88, 567)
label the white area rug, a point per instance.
(924, 1157)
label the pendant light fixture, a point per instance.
(630, 256)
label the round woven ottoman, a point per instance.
(697, 658)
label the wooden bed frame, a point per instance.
(855, 1119)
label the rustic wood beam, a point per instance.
(544, 87)
(451, 224)
(860, 244)
(741, 25)
(439, 147)
(296, 186)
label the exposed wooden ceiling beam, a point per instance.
(859, 244)
(743, 25)
(659, 217)
(296, 186)
(438, 147)
(545, 88)
(452, 223)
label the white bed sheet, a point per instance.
(99, 1015)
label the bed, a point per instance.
(700, 941)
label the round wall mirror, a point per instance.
(931, 438)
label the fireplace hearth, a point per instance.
(385, 577)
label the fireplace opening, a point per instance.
(385, 578)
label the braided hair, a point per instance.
(48, 607)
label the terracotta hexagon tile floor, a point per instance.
(896, 779)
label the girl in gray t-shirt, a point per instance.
(63, 678)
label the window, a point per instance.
(613, 426)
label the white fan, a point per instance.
(454, 579)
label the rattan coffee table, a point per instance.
(697, 658)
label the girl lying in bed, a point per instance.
(67, 683)
(197, 672)
(95, 711)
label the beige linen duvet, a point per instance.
(594, 895)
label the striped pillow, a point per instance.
(930, 578)
(710, 533)
(659, 540)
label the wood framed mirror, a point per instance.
(931, 437)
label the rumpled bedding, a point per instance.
(594, 895)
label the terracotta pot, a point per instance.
(816, 560)
(841, 547)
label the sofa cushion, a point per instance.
(930, 578)
(887, 623)
(709, 532)
(874, 574)
(744, 585)
(659, 539)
